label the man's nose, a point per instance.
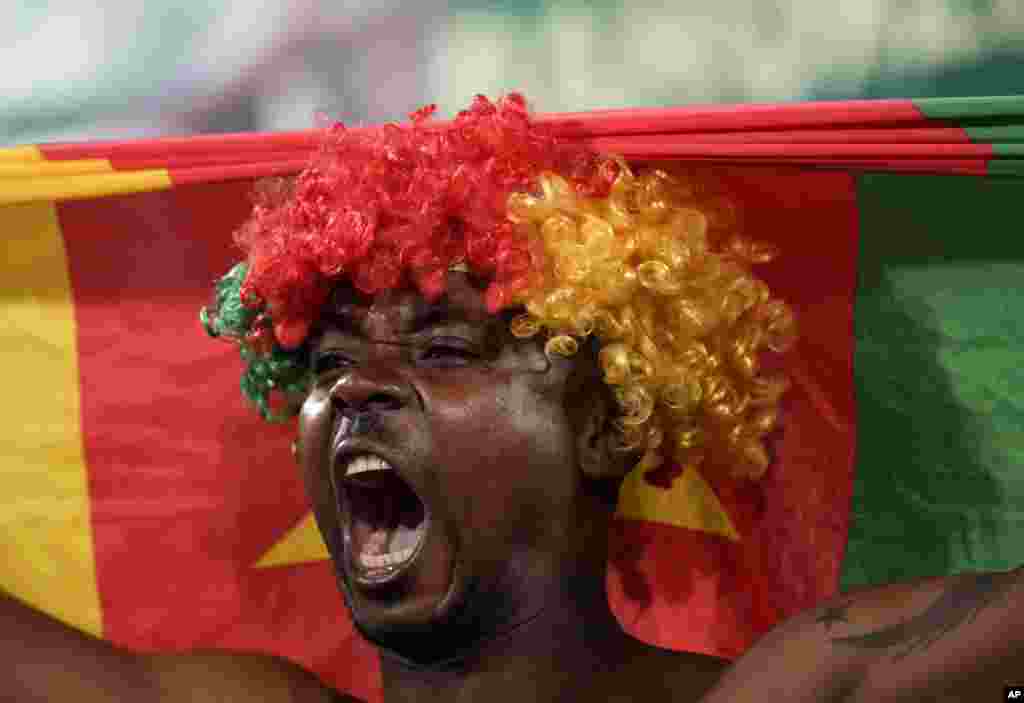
(368, 391)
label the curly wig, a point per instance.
(650, 263)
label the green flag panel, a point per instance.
(940, 388)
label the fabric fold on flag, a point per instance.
(977, 135)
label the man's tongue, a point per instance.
(386, 519)
(375, 542)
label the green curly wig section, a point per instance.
(269, 373)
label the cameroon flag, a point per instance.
(144, 502)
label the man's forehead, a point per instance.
(403, 309)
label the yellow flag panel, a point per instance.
(46, 548)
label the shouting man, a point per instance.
(483, 331)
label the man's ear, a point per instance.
(598, 442)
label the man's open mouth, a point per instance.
(385, 523)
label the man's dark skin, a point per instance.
(515, 461)
(507, 599)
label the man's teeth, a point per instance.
(391, 559)
(366, 462)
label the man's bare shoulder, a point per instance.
(950, 638)
(650, 673)
(224, 677)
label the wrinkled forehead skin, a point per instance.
(400, 309)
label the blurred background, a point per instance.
(113, 69)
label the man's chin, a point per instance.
(393, 610)
(435, 632)
(420, 632)
(445, 640)
(435, 616)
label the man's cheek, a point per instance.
(312, 452)
(314, 424)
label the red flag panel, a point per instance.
(189, 488)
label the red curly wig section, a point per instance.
(389, 205)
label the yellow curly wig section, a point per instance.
(657, 272)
